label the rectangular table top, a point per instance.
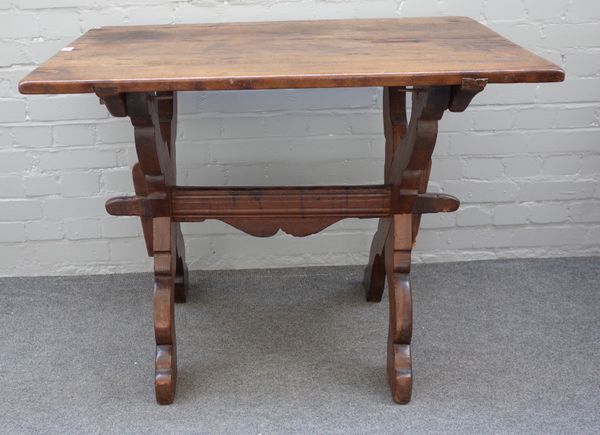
(287, 54)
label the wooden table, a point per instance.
(136, 71)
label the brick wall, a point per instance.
(523, 159)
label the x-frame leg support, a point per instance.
(408, 151)
(300, 211)
(154, 119)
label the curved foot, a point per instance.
(399, 364)
(165, 363)
(400, 372)
(165, 375)
(398, 251)
(164, 309)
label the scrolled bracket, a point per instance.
(463, 94)
(114, 101)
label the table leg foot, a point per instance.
(400, 372)
(165, 243)
(165, 377)
(399, 365)
(398, 257)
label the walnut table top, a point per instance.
(296, 54)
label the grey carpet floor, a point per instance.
(498, 347)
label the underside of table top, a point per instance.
(287, 54)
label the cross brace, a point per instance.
(193, 204)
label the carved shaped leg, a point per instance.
(407, 168)
(154, 121)
(154, 118)
(394, 127)
(167, 115)
(165, 264)
(398, 250)
(409, 171)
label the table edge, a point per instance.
(28, 86)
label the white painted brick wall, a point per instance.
(524, 159)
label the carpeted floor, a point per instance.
(498, 347)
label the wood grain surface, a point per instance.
(287, 54)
